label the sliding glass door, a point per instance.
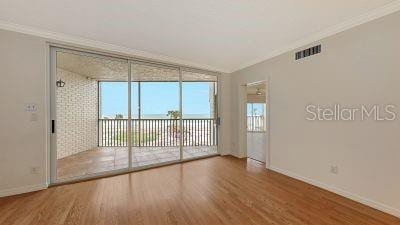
(199, 117)
(156, 114)
(112, 115)
(89, 116)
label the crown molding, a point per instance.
(60, 38)
(335, 29)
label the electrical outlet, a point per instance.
(34, 169)
(334, 169)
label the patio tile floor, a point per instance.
(103, 159)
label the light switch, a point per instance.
(31, 107)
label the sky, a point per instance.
(157, 98)
(255, 109)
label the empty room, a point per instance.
(200, 112)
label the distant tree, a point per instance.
(173, 114)
(119, 116)
(255, 112)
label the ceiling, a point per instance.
(222, 35)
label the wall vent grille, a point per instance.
(308, 52)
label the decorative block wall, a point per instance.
(76, 122)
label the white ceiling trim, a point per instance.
(364, 18)
(73, 40)
(79, 42)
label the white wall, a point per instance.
(358, 66)
(23, 142)
(224, 105)
(76, 109)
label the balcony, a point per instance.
(154, 141)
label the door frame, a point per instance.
(52, 143)
(243, 119)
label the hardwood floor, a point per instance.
(218, 190)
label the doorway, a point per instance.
(256, 121)
(112, 115)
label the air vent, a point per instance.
(308, 52)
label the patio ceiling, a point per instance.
(117, 70)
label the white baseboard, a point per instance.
(21, 190)
(373, 204)
(238, 156)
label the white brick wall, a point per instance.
(77, 104)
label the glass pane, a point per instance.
(91, 115)
(156, 130)
(256, 117)
(113, 100)
(258, 109)
(199, 105)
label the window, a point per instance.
(256, 117)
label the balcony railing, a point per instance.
(256, 124)
(157, 132)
